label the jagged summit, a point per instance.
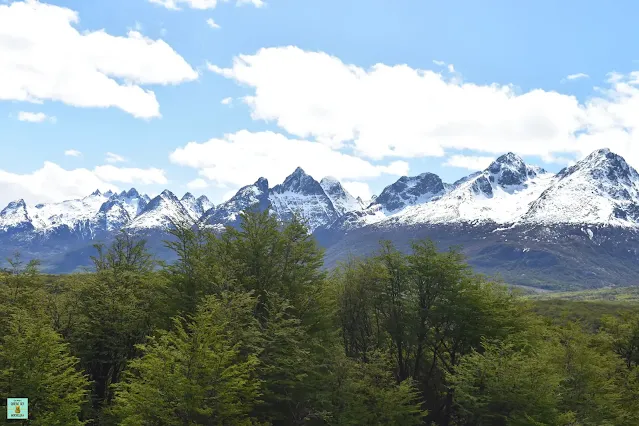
(342, 200)
(600, 189)
(15, 216)
(510, 169)
(132, 193)
(299, 182)
(410, 190)
(261, 184)
(161, 212)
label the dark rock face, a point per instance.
(408, 190)
(482, 186)
(300, 183)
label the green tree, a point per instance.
(368, 393)
(118, 306)
(201, 373)
(197, 271)
(36, 363)
(427, 310)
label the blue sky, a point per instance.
(515, 47)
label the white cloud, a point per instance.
(211, 23)
(138, 26)
(244, 156)
(72, 153)
(469, 162)
(53, 183)
(202, 4)
(397, 111)
(198, 183)
(44, 57)
(358, 189)
(226, 101)
(149, 176)
(114, 158)
(577, 76)
(451, 68)
(256, 3)
(35, 117)
(439, 63)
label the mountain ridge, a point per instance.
(600, 190)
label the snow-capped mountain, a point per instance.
(501, 193)
(601, 189)
(15, 217)
(408, 191)
(161, 213)
(505, 213)
(228, 212)
(196, 206)
(119, 210)
(302, 195)
(342, 200)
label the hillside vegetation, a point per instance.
(247, 328)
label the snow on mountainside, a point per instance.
(405, 192)
(501, 194)
(228, 212)
(160, 213)
(342, 200)
(15, 217)
(409, 191)
(600, 189)
(71, 213)
(302, 195)
(195, 206)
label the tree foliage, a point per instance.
(247, 328)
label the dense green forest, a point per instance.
(246, 328)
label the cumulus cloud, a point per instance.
(198, 183)
(35, 117)
(110, 173)
(398, 111)
(72, 153)
(358, 189)
(53, 183)
(114, 158)
(211, 23)
(469, 162)
(226, 101)
(44, 57)
(201, 4)
(273, 156)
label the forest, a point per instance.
(246, 328)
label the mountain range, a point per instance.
(578, 228)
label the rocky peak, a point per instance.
(342, 200)
(510, 169)
(299, 182)
(410, 190)
(15, 215)
(187, 196)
